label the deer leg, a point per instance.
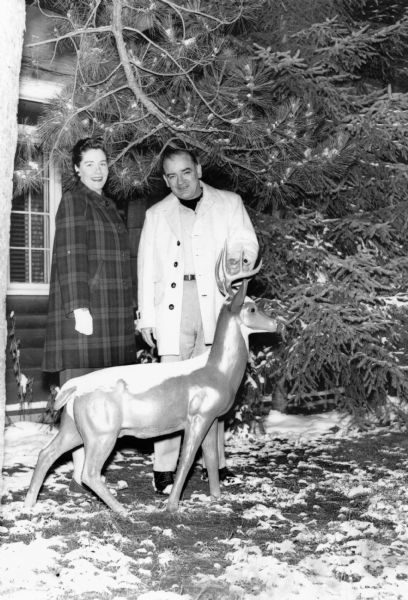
(67, 438)
(196, 428)
(97, 450)
(221, 444)
(210, 452)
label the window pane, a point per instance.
(37, 201)
(20, 202)
(19, 230)
(37, 266)
(19, 269)
(37, 231)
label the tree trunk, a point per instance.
(12, 24)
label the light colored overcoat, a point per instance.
(221, 216)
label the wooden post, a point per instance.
(12, 24)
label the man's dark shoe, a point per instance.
(224, 474)
(163, 482)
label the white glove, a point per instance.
(83, 321)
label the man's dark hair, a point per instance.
(89, 143)
(173, 150)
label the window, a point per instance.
(30, 237)
(31, 231)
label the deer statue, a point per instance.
(148, 400)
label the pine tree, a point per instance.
(340, 249)
(302, 107)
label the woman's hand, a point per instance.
(83, 321)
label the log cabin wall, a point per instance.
(30, 316)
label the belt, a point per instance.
(189, 277)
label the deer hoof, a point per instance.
(172, 507)
(215, 497)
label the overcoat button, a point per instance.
(178, 242)
(176, 264)
(173, 285)
(171, 306)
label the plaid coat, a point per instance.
(90, 269)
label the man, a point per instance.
(178, 298)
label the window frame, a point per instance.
(54, 197)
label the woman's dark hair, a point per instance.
(82, 146)
(171, 151)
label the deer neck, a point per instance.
(229, 352)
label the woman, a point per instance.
(90, 323)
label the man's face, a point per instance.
(182, 176)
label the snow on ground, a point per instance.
(305, 427)
(24, 439)
(351, 560)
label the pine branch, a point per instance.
(117, 27)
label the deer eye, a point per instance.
(252, 309)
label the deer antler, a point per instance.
(229, 270)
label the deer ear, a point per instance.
(239, 298)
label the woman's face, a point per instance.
(93, 169)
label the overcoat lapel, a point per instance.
(172, 212)
(172, 215)
(104, 205)
(206, 202)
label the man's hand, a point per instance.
(240, 255)
(83, 321)
(149, 336)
